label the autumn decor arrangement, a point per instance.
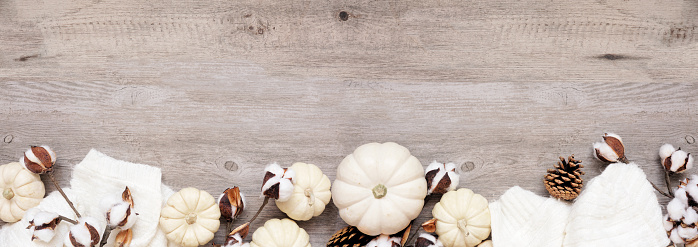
(379, 190)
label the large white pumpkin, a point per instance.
(379, 188)
(311, 192)
(21, 190)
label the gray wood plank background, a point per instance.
(212, 91)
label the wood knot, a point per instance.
(231, 166)
(343, 16)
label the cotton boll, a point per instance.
(689, 162)
(441, 178)
(427, 240)
(274, 168)
(675, 238)
(289, 174)
(455, 177)
(690, 217)
(285, 190)
(676, 209)
(687, 232)
(605, 153)
(665, 151)
(692, 187)
(86, 233)
(682, 195)
(107, 202)
(668, 224)
(121, 215)
(678, 160)
(278, 182)
(611, 149)
(384, 241)
(235, 240)
(42, 224)
(38, 159)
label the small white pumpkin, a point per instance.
(462, 218)
(379, 188)
(280, 233)
(311, 193)
(21, 190)
(190, 217)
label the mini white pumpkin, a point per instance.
(462, 218)
(311, 193)
(21, 191)
(379, 188)
(280, 233)
(190, 217)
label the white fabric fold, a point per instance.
(95, 177)
(521, 218)
(617, 208)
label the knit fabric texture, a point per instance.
(521, 218)
(94, 178)
(617, 208)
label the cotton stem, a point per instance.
(666, 179)
(105, 236)
(266, 200)
(63, 218)
(55, 183)
(660, 191)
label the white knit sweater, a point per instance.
(521, 218)
(617, 208)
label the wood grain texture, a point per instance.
(213, 91)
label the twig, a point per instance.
(55, 183)
(623, 159)
(63, 218)
(266, 200)
(105, 236)
(660, 191)
(666, 179)
(229, 225)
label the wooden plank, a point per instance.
(211, 92)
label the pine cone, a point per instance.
(349, 236)
(565, 181)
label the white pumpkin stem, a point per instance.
(311, 197)
(8, 193)
(55, 183)
(190, 218)
(463, 226)
(379, 191)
